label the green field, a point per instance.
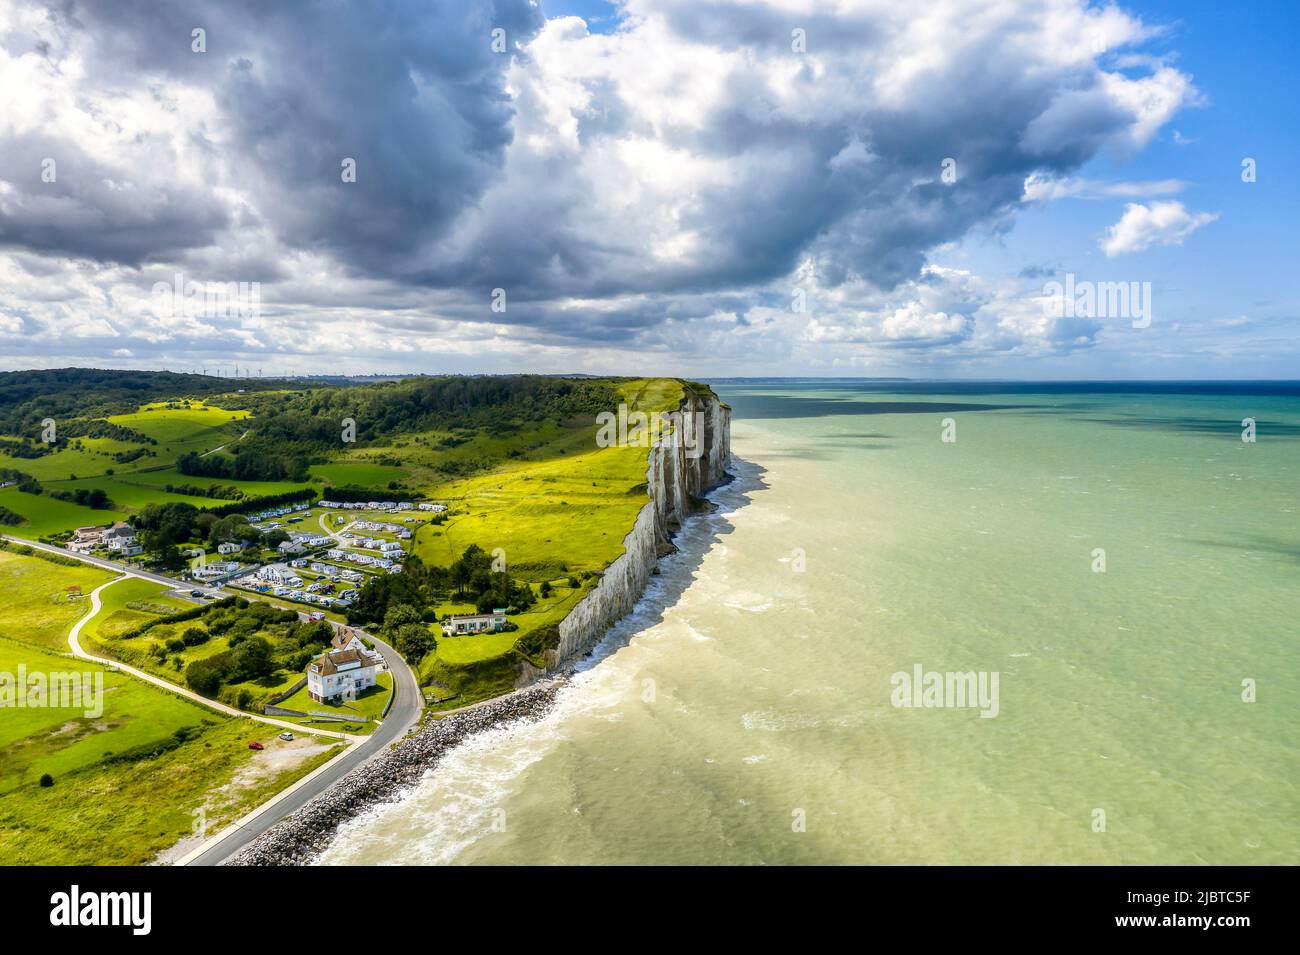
(125, 780)
(128, 604)
(127, 812)
(361, 473)
(176, 429)
(58, 741)
(35, 608)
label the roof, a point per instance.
(342, 638)
(336, 660)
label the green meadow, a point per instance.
(36, 609)
(360, 473)
(58, 741)
(125, 781)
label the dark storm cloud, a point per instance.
(411, 91)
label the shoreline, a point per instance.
(300, 838)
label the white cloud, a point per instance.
(654, 186)
(1162, 223)
(1044, 188)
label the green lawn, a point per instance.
(128, 604)
(59, 741)
(164, 476)
(125, 813)
(369, 704)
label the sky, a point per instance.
(1039, 189)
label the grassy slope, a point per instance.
(562, 508)
(35, 608)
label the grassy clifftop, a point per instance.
(515, 458)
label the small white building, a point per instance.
(229, 548)
(461, 624)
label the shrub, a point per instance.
(46, 780)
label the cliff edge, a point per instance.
(679, 473)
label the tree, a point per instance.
(414, 641)
(399, 616)
(206, 676)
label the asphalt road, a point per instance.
(405, 711)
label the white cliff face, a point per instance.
(676, 477)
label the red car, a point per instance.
(256, 745)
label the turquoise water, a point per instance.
(744, 715)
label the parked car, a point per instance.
(196, 593)
(256, 745)
(287, 736)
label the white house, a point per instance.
(118, 536)
(347, 639)
(460, 624)
(229, 548)
(290, 547)
(387, 547)
(339, 674)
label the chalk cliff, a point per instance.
(679, 472)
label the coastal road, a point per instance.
(112, 565)
(408, 703)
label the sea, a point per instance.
(929, 623)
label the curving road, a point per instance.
(408, 703)
(74, 642)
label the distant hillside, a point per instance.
(27, 397)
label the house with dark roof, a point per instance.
(342, 674)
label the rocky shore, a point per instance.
(299, 838)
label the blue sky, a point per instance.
(1243, 62)
(669, 187)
